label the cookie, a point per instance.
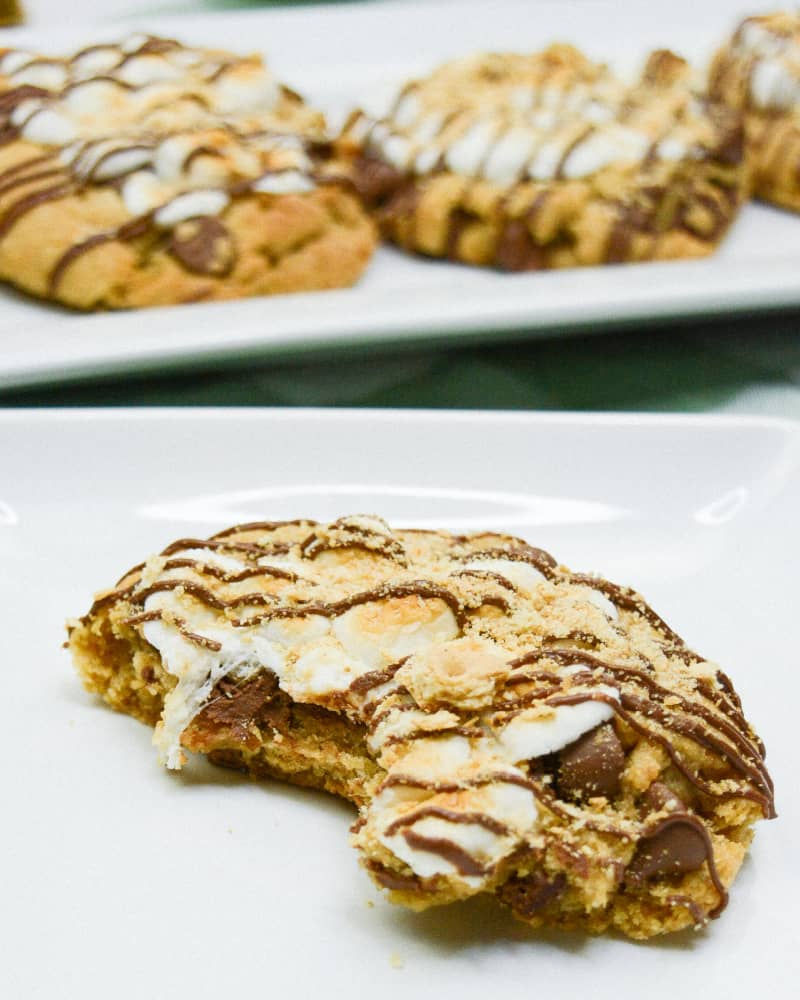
(10, 12)
(147, 173)
(524, 162)
(504, 725)
(758, 72)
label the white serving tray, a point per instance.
(337, 54)
(121, 880)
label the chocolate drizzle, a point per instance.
(585, 784)
(463, 862)
(202, 245)
(439, 812)
(26, 204)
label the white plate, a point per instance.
(122, 880)
(335, 55)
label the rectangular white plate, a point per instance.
(122, 880)
(334, 55)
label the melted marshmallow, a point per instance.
(191, 206)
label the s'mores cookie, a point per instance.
(524, 162)
(147, 173)
(503, 724)
(758, 72)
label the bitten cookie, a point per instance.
(149, 173)
(524, 162)
(503, 724)
(758, 71)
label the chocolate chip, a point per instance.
(528, 895)
(203, 245)
(374, 180)
(516, 250)
(235, 708)
(676, 847)
(591, 766)
(660, 796)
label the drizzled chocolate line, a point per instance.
(142, 617)
(629, 600)
(440, 812)
(763, 800)
(479, 781)
(415, 588)
(71, 255)
(197, 152)
(26, 204)
(370, 707)
(209, 569)
(132, 148)
(140, 224)
(392, 880)
(460, 859)
(470, 732)
(99, 78)
(11, 98)
(753, 768)
(609, 673)
(194, 257)
(391, 548)
(410, 706)
(576, 635)
(22, 179)
(570, 148)
(180, 625)
(203, 594)
(537, 558)
(375, 678)
(425, 589)
(700, 736)
(486, 574)
(33, 161)
(113, 597)
(687, 819)
(247, 548)
(698, 914)
(515, 235)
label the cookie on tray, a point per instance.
(148, 173)
(758, 72)
(524, 162)
(503, 724)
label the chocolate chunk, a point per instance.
(233, 710)
(677, 846)
(660, 796)
(532, 893)
(375, 181)
(203, 245)
(516, 250)
(731, 148)
(591, 766)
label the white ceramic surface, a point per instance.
(337, 54)
(121, 880)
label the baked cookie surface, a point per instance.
(503, 724)
(148, 173)
(524, 162)
(758, 72)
